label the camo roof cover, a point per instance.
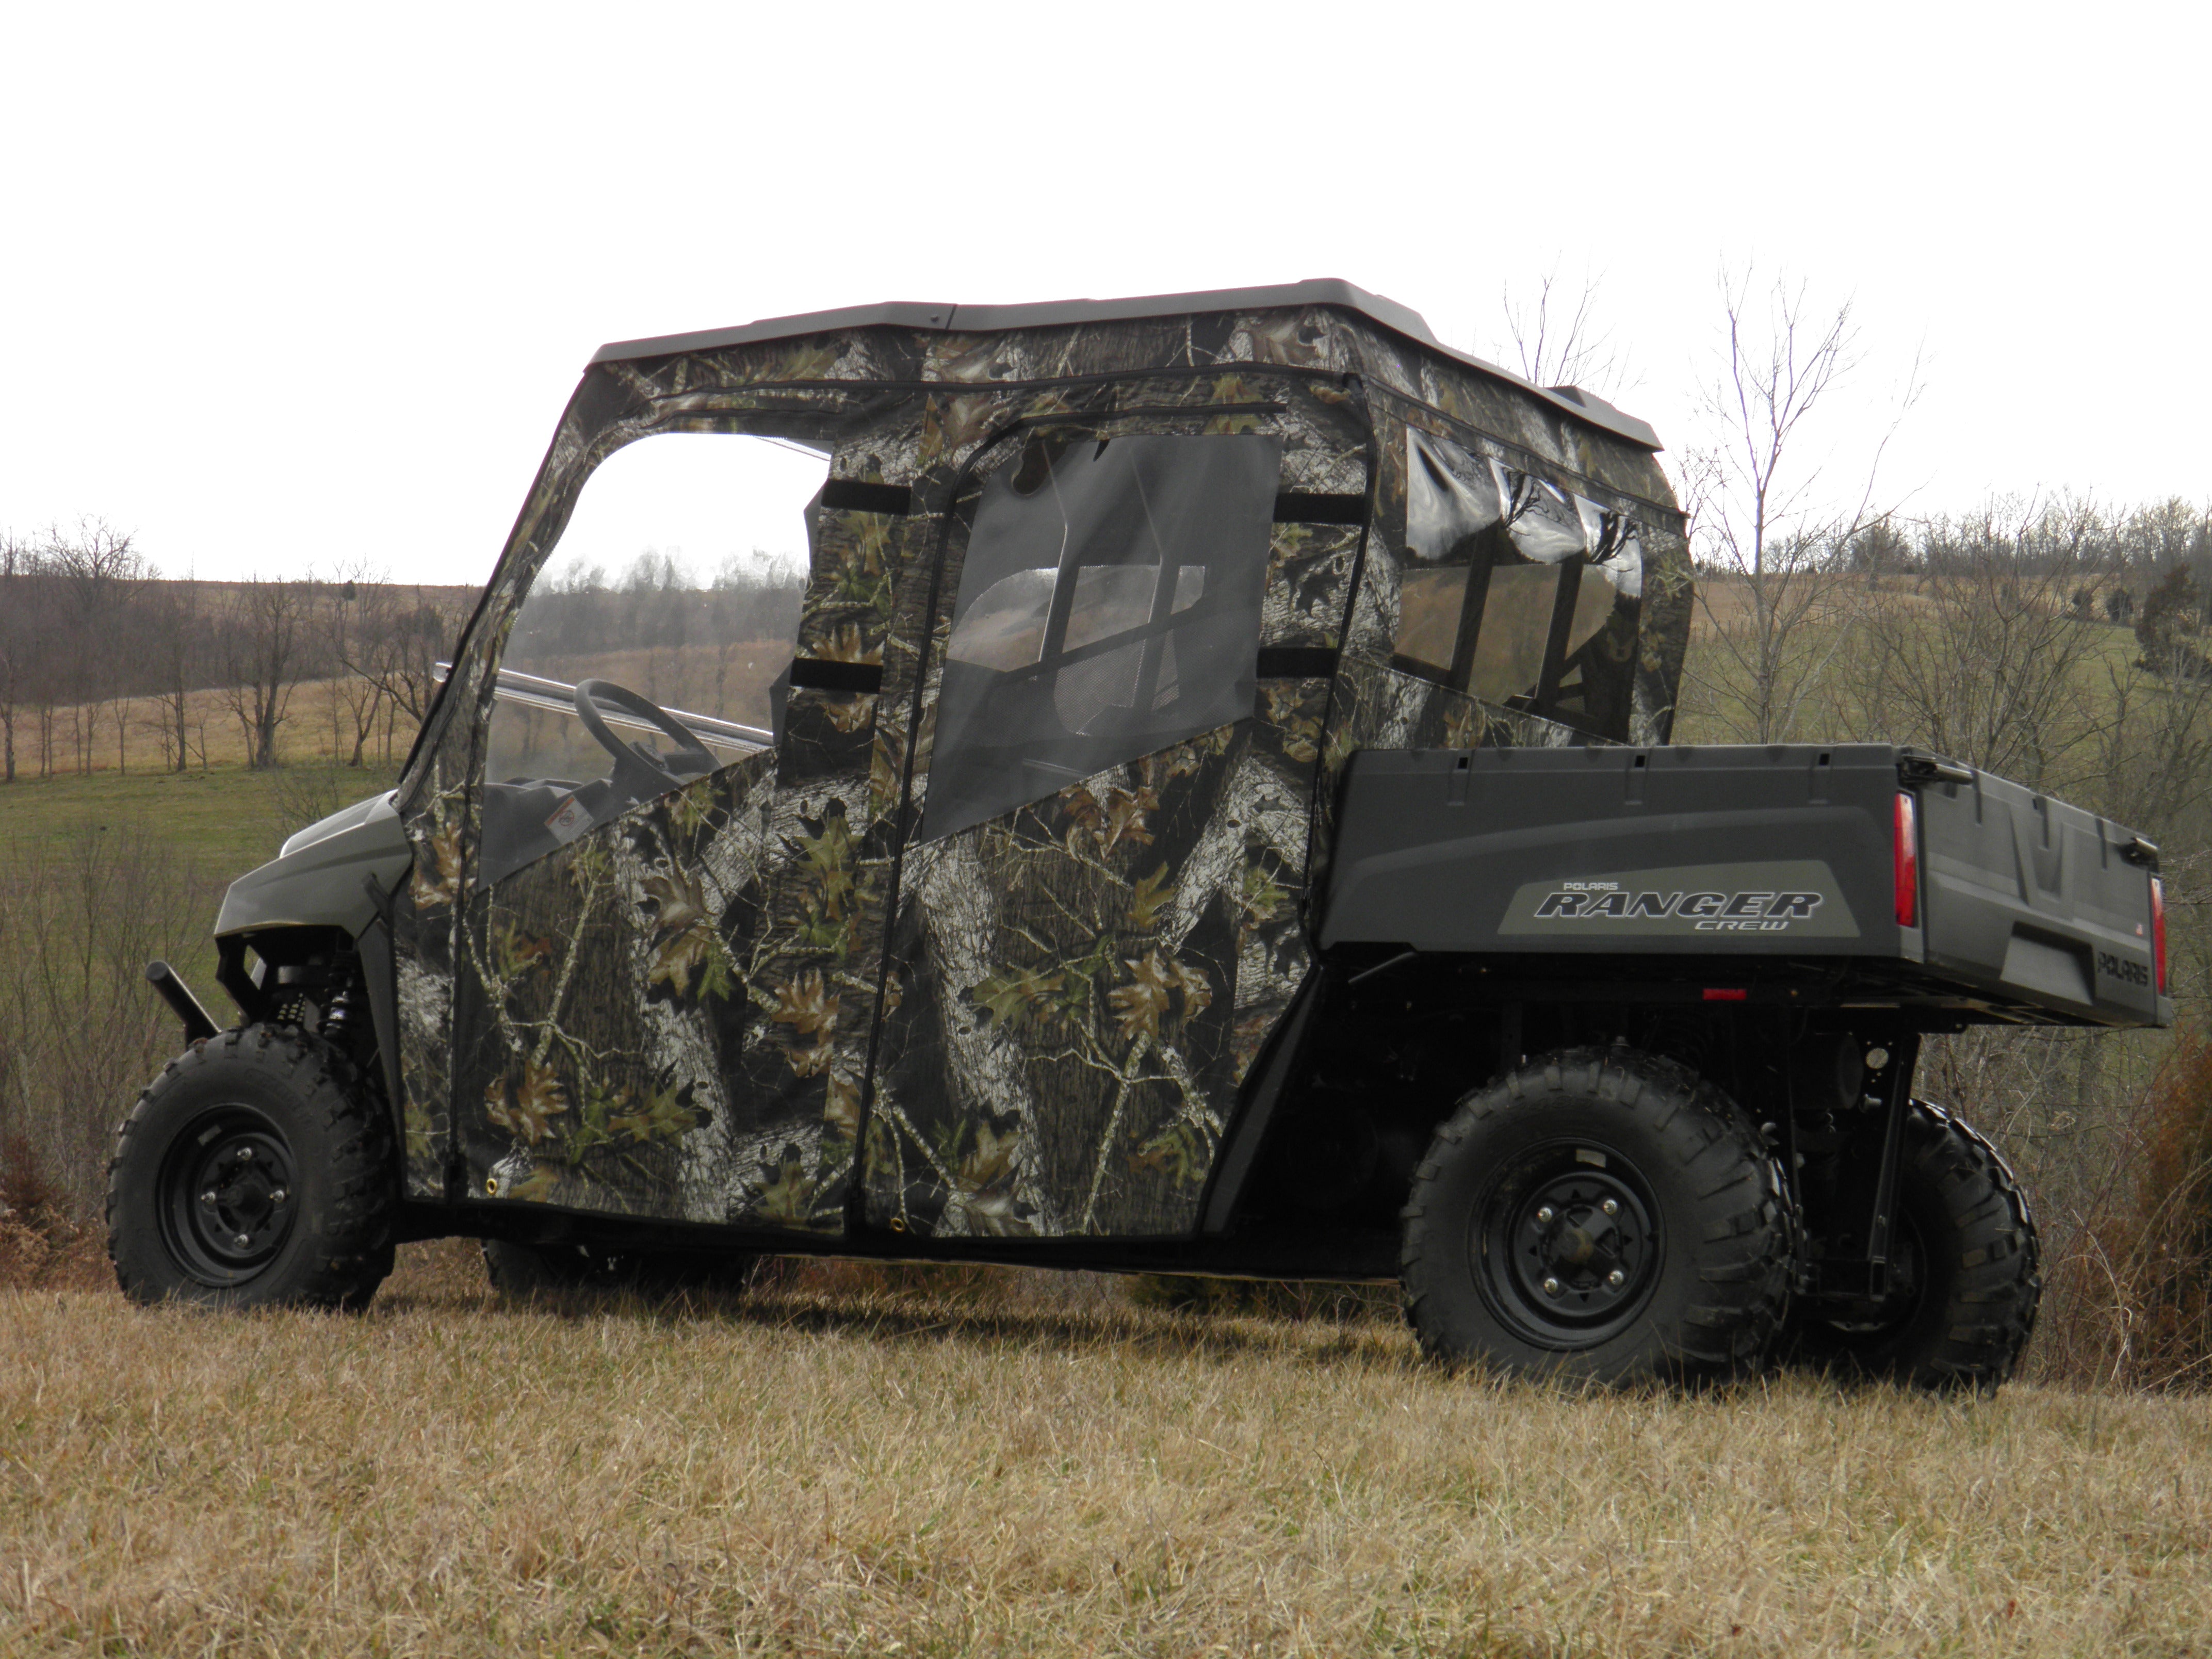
(998, 320)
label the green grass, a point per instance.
(92, 912)
(224, 821)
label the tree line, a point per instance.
(100, 654)
(95, 647)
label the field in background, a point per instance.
(1033, 1469)
(314, 734)
(871, 1461)
(99, 873)
(1724, 605)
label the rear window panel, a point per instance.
(1515, 590)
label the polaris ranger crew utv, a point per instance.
(1211, 811)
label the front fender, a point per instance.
(323, 877)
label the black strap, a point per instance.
(821, 674)
(851, 496)
(1304, 507)
(1297, 662)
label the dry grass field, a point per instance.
(1029, 1467)
(315, 732)
(318, 729)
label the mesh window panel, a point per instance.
(1108, 607)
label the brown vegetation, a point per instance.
(2061, 646)
(827, 1469)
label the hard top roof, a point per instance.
(987, 319)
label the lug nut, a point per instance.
(1551, 1287)
(246, 1155)
(207, 1198)
(1544, 1215)
(1616, 1278)
(1610, 1206)
(241, 1241)
(277, 1197)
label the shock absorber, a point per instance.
(343, 1014)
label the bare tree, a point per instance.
(264, 657)
(399, 643)
(349, 610)
(1763, 516)
(1555, 343)
(175, 662)
(1983, 656)
(20, 570)
(100, 570)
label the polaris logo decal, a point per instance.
(2128, 973)
(1777, 899)
(1708, 912)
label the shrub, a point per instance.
(2167, 1248)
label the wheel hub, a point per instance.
(229, 1196)
(1569, 1248)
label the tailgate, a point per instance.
(2037, 900)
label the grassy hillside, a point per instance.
(201, 829)
(825, 1469)
(98, 875)
(223, 822)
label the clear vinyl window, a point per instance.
(1108, 607)
(651, 646)
(1517, 591)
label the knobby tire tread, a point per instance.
(1978, 1340)
(355, 1250)
(1744, 1301)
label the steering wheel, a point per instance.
(639, 773)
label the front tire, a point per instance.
(256, 1171)
(1599, 1215)
(1968, 1278)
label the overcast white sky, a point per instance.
(310, 285)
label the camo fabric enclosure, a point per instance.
(725, 1004)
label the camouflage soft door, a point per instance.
(622, 871)
(1061, 1046)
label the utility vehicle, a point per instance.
(1211, 810)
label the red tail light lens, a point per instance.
(1908, 861)
(2157, 933)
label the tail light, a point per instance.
(2157, 933)
(1908, 861)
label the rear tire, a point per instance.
(256, 1171)
(1970, 1275)
(1599, 1215)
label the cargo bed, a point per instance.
(1864, 874)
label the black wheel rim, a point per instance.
(227, 1195)
(1567, 1244)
